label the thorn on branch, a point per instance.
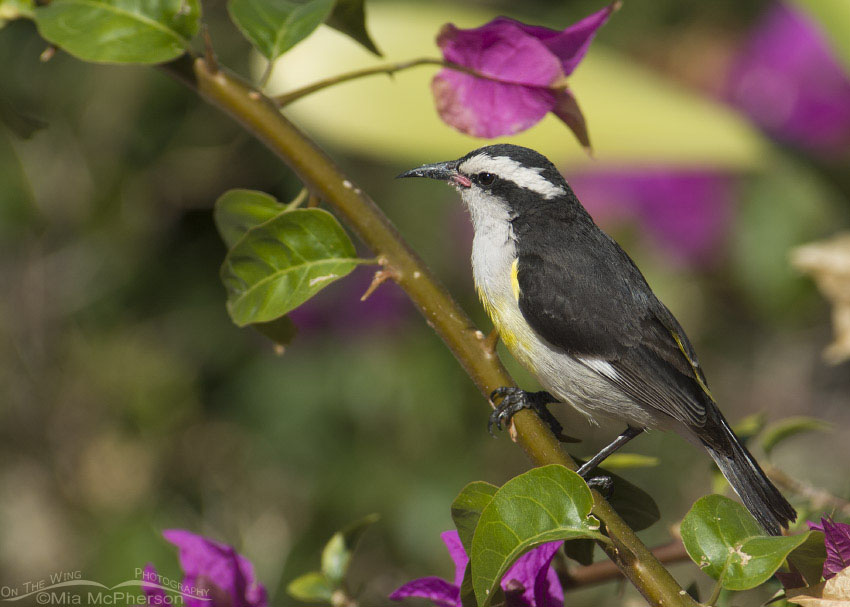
(380, 277)
(209, 52)
(47, 54)
(491, 342)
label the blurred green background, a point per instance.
(130, 402)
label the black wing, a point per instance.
(591, 300)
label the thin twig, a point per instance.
(267, 73)
(389, 70)
(209, 51)
(605, 571)
(819, 498)
(299, 199)
(715, 592)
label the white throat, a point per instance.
(493, 245)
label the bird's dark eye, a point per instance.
(486, 178)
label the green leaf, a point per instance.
(726, 542)
(280, 264)
(336, 555)
(543, 505)
(237, 211)
(633, 504)
(580, 551)
(808, 558)
(311, 587)
(747, 427)
(275, 26)
(120, 31)
(788, 427)
(467, 508)
(349, 17)
(624, 461)
(467, 592)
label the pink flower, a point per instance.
(686, 212)
(530, 581)
(526, 67)
(837, 540)
(214, 575)
(788, 80)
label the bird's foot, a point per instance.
(514, 400)
(603, 484)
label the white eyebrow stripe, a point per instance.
(511, 170)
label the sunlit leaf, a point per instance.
(275, 26)
(278, 265)
(120, 31)
(349, 17)
(311, 587)
(726, 542)
(543, 505)
(336, 555)
(791, 426)
(467, 508)
(237, 211)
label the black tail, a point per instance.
(760, 496)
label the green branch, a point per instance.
(260, 116)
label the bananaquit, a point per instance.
(572, 307)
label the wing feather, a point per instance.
(594, 303)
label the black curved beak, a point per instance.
(443, 171)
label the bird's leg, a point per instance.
(514, 400)
(628, 434)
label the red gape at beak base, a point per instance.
(461, 180)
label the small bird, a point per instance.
(574, 309)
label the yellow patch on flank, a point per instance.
(697, 375)
(515, 278)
